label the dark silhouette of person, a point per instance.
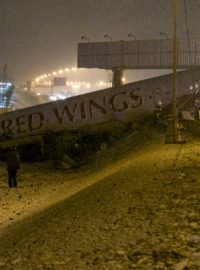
(13, 164)
(77, 152)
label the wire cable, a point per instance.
(189, 41)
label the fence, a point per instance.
(192, 126)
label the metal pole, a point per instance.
(175, 7)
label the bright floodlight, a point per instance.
(123, 79)
(53, 98)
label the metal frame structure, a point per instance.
(139, 54)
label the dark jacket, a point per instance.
(12, 160)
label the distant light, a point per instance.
(38, 94)
(60, 96)
(53, 98)
(123, 79)
(101, 83)
(88, 85)
(60, 71)
(5, 84)
(67, 69)
(196, 85)
(191, 87)
(74, 69)
(54, 72)
(76, 86)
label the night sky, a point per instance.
(39, 36)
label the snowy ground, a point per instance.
(135, 206)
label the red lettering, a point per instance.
(66, 112)
(120, 108)
(6, 126)
(137, 100)
(93, 103)
(83, 114)
(37, 118)
(20, 122)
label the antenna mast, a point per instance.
(173, 130)
(174, 116)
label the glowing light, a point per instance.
(191, 87)
(88, 85)
(123, 79)
(76, 86)
(38, 94)
(5, 84)
(61, 96)
(101, 83)
(53, 98)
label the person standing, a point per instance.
(13, 165)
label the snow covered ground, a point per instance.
(133, 206)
